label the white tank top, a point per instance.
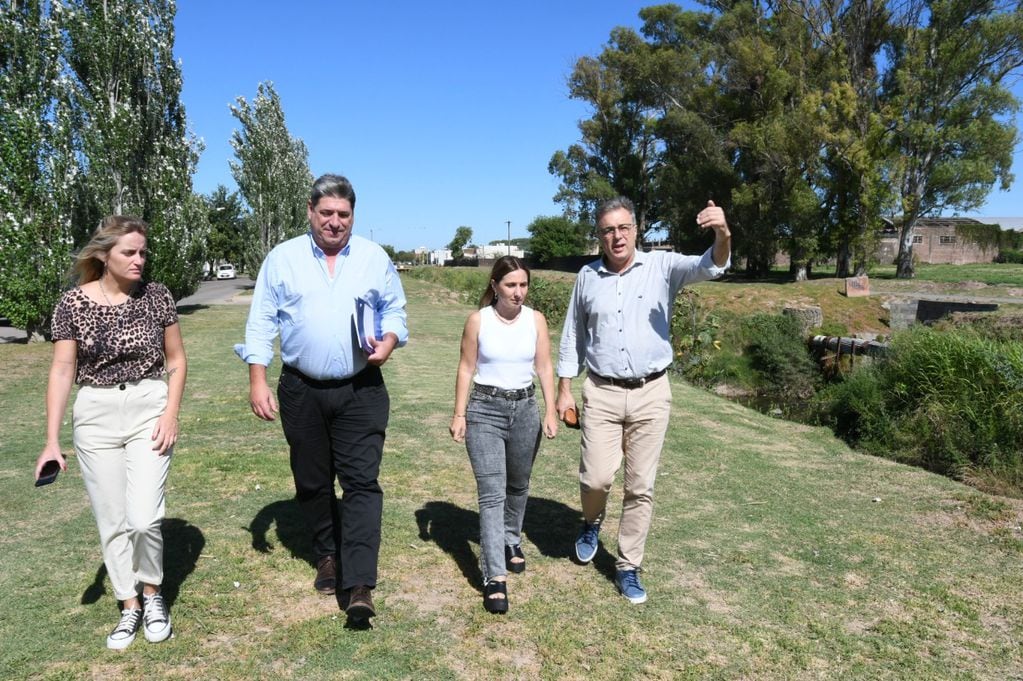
(505, 352)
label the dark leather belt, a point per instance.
(631, 383)
(519, 394)
(316, 382)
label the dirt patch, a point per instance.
(696, 589)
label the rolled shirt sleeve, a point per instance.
(261, 327)
(391, 306)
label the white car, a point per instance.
(226, 271)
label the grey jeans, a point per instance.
(502, 437)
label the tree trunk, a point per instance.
(904, 261)
(842, 260)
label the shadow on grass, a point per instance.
(550, 525)
(453, 529)
(291, 529)
(191, 309)
(182, 544)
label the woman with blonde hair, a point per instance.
(504, 344)
(117, 337)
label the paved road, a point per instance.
(220, 292)
(213, 292)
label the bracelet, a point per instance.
(458, 416)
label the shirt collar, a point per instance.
(638, 259)
(318, 252)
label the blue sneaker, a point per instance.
(627, 582)
(586, 542)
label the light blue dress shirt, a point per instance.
(618, 325)
(313, 312)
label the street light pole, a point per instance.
(508, 222)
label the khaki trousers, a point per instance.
(124, 477)
(623, 424)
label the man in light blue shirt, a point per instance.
(333, 403)
(618, 327)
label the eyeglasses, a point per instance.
(624, 229)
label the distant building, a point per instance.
(495, 251)
(938, 240)
(439, 255)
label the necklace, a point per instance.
(507, 321)
(112, 324)
(104, 292)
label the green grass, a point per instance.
(775, 552)
(992, 274)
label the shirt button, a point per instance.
(121, 387)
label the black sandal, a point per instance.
(514, 552)
(499, 605)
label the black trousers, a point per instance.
(335, 429)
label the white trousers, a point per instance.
(125, 478)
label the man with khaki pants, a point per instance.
(618, 327)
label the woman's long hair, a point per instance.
(88, 266)
(504, 265)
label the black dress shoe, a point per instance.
(514, 552)
(326, 575)
(360, 603)
(499, 604)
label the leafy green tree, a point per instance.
(37, 167)
(851, 36)
(950, 114)
(272, 172)
(463, 235)
(808, 120)
(226, 216)
(137, 154)
(556, 237)
(389, 250)
(620, 153)
(771, 65)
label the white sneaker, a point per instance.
(157, 620)
(124, 633)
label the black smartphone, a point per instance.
(49, 473)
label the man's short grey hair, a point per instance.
(334, 186)
(614, 204)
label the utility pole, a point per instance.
(508, 222)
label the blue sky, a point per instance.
(442, 114)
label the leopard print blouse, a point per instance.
(116, 344)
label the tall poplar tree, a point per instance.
(272, 172)
(139, 156)
(37, 167)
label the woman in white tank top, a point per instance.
(504, 344)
